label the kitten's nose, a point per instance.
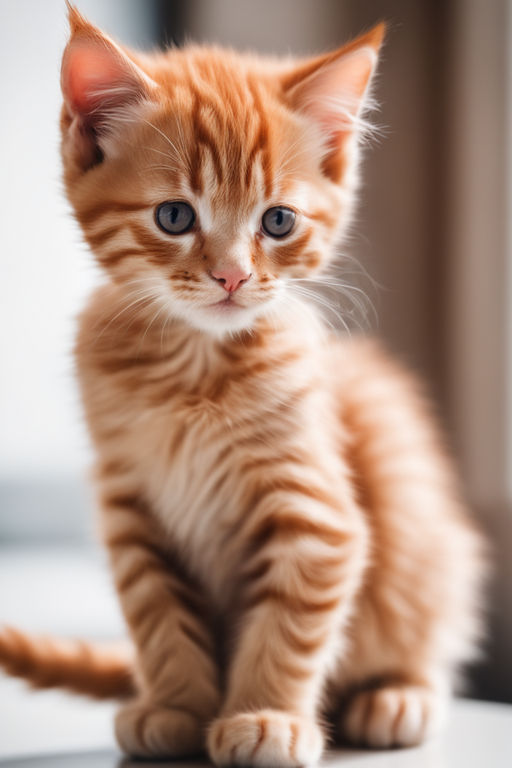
(231, 279)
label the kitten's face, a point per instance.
(203, 180)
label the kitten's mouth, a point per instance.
(227, 305)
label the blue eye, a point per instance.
(175, 218)
(278, 221)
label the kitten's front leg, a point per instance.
(305, 564)
(177, 672)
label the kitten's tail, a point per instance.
(100, 670)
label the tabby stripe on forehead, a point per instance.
(204, 137)
(259, 144)
(262, 143)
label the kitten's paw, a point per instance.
(394, 716)
(265, 738)
(143, 730)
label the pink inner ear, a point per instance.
(336, 92)
(89, 69)
(95, 74)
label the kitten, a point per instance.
(284, 527)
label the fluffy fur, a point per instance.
(284, 526)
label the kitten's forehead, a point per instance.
(235, 141)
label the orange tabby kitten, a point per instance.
(284, 527)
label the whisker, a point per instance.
(357, 297)
(323, 299)
(153, 319)
(158, 151)
(163, 168)
(315, 297)
(361, 309)
(135, 298)
(139, 300)
(164, 326)
(308, 306)
(163, 135)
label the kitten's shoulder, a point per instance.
(359, 349)
(358, 359)
(103, 324)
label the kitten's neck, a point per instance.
(146, 335)
(293, 332)
(299, 321)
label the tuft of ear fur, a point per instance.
(99, 83)
(333, 90)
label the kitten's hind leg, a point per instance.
(393, 715)
(417, 617)
(176, 666)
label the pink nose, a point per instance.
(230, 279)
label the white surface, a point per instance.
(48, 721)
(58, 591)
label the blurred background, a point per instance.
(433, 236)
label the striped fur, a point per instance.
(101, 670)
(284, 527)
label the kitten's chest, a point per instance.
(192, 422)
(195, 451)
(190, 450)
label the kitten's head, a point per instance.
(206, 180)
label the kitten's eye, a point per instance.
(278, 221)
(175, 218)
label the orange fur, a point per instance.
(284, 527)
(101, 670)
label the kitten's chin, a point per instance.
(220, 320)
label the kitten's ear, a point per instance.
(333, 90)
(98, 82)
